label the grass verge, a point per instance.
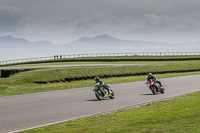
(180, 115)
(49, 74)
(10, 88)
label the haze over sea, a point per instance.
(22, 53)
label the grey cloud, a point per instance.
(75, 18)
(171, 23)
(93, 23)
(10, 19)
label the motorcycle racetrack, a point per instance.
(27, 111)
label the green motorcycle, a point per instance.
(102, 93)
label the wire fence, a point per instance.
(55, 57)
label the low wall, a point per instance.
(6, 73)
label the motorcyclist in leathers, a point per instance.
(151, 77)
(98, 80)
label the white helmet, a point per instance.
(149, 75)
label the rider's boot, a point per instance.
(106, 95)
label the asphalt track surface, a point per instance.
(21, 112)
(51, 66)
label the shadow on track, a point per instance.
(96, 100)
(147, 94)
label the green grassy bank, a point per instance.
(22, 83)
(80, 71)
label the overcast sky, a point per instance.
(60, 21)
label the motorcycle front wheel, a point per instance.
(98, 95)
(112, 94)
(162, 90)
(153, 89)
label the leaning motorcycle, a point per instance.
(155, 87)
(102, 93)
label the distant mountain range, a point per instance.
(11, 42)
(85, 42)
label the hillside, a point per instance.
(101, 41)
(12, 42)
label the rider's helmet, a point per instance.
(149, 75)
(97, 79)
